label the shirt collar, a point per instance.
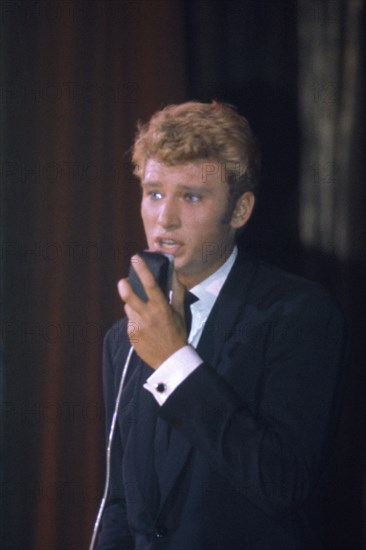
(209, 289)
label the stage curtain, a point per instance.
(331, 59)
(77, 75)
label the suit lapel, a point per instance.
(227, 308)
(220, 323)
(143, 453)
(178, 452)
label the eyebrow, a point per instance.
(181, 186)
(150, 185)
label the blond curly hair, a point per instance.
(194, 131)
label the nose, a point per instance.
(169, 217)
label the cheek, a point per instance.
(204, 225)
(146, 216)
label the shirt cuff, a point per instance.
(172, 372)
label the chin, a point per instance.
(179, 267)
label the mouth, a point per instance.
(170, 246)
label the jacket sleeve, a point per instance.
(114, 531)
(271, 448)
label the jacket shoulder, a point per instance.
(272, 285)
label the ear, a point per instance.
(243, 210)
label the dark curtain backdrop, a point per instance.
(76, 76)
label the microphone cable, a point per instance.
(109, 449)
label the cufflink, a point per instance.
(161, 388)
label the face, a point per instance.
(182, 210)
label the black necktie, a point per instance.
(189, 299)
(162, 429)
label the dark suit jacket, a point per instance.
(251, 427)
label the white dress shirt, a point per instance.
(183, 362)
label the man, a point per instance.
(223, 433)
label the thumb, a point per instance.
(177, 301)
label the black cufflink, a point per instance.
(161, 388)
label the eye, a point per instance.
(193, 197)
(155, 195)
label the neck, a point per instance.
(189, 280)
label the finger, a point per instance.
(133, 317)
(178, 289)
(129, 296)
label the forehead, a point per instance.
(199, 172)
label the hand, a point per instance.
(160, 326)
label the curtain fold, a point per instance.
(332, 222)
(331, 109)
(79, 76)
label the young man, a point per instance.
(223, 432)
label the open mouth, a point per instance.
(168, 245)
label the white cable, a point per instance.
(109, 449)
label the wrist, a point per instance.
(161, 360)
